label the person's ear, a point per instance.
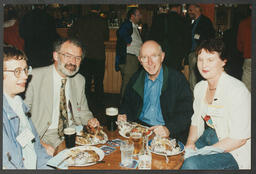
(162, 56)
(55, 56)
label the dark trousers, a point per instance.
(93, 69)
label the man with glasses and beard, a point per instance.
(56, 95)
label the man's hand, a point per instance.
(93, 122)
(122, 117)
(161, 131)
(49, 149)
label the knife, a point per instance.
(64, 160)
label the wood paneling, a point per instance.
(112, 79)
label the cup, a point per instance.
(70, 137)
(111, 116)
(137, 139)
(126, 149)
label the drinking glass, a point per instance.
(126, 149)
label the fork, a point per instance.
(166, 158)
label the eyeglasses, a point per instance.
(69, 56)
(144, 59)
(17, 71)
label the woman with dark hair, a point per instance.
(220, 131)
(21, 144)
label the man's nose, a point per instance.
(150, 61)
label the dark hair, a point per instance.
(132, 11)
(58, 43)
(13, 53)
(212, 45)
(197, 6)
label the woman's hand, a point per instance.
(161, 131)
(122, 117)
(190, 146)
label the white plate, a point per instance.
(65, 153)
(122, 133)
(101, 142)
(163, 154)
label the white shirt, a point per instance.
(231, 115)
(136, 43)
(29, 154)
(56, 99)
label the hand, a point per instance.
(122, 117)
(161, 131)
(93, 122)
(190, 146)
(49, 149)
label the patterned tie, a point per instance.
(63, 119)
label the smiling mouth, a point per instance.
(21, 84)
(70, 67)
(205, 71)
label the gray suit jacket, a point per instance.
(39, 98)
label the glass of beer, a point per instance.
(70, 137)
(136, 138)
(111, 117)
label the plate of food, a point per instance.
(77, 156)
(125, 128)
(91, 136)
(165, 146)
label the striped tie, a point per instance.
(63, 118)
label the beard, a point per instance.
(67, 69)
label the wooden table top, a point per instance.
(112, 161)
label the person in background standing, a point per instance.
(11, 28)
(128, 46)
(93, 31)
(202, 29)
(244, 45)
(38, 30)
(170, 30)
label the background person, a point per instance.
(158, 96)
(128, 47)
(21, 144)
(52, 85)
(221, 123)
(201, 29)
(93, 31)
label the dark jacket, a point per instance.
(204, 28)
(175, 100)
(38, 30)
(124, 37)
(173, 34)
(93, 31)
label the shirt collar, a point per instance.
(6, 105)
(159, 77)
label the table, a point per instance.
(112, 160)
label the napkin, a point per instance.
(58, 158)
(207, 150)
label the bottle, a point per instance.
(145, 156)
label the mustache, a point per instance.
(70, 65)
